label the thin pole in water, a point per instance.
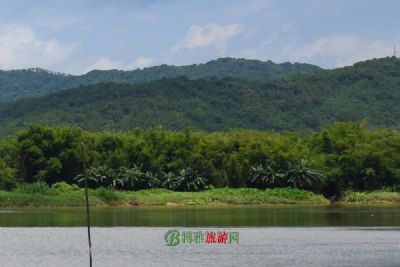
(87, 203)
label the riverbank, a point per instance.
(374, 197)
(102, 196)
(152, 197)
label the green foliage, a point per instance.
(107, 195)
(8, 179)
(236, 196)
(217, 196)
(101, 176)
(300, 175)
(31, 82)
(265, 176)
(132, 177)
(356, 197)
(371, 197)
(185, 180)
(301, 102)
(35, 188)
(344, 156)
(64, 187)
(48, 155)
(293, 193)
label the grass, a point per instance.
(11, 199)
(37, 195)
(236, 196)
(372, 197)
(62, 194)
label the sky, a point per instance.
(76, 36)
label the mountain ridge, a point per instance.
(368, 90)
(15, 84)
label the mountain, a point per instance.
(16, 84)
(368, 91)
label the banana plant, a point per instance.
(301, 175)
(265, 176)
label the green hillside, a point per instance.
(33, 82)
(368, 91)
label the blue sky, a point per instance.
(76, 36)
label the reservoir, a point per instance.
(193, 216)
(269, 236)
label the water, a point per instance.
(269, 236)
(228, 216)
(137, 246)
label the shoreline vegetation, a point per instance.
(164, 197)
(342, 163)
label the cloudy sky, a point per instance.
(76, 36)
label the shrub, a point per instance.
(265, 176)
(107, 195)
(292, 193)
(63, 187)
(7, 179)
(186, 180)
(301, 175)
(356, 196)
(36, 188)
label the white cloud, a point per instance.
(327, 46)
(21, 48)
(327, 51)
(249, 53)
(106, 63)
(140, 62)
(337, 50)
(209, 35)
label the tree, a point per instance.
(131, 177)
(187, 179)
(264, 176)
(102, 176)
(301, 175)
(7, 177)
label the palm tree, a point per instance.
(170, 181)
(94, 175)
(102, 176)
(300, 175)
(265, 176)
(189, 180)
(151, 180)
(132, 176)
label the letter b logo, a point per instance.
(172, 238)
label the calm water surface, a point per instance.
(269, 236)
(144, 246)
(230, 216)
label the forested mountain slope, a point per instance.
(16, 84)
(368, 91)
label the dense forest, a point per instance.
(343, 156)
(262, 128)
(368, 91)
(16, 84)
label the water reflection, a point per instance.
(234, 216)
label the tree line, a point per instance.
(340, 157)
